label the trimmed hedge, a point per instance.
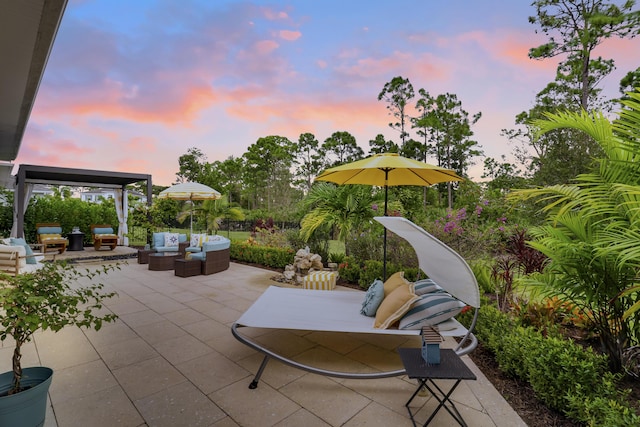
(562, 374)
(366, 272)
(263, 255)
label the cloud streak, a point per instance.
(134, 91)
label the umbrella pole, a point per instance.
(384, 242)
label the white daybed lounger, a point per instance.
(300, 309)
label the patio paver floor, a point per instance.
(170, 360)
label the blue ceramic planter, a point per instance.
(27, 408)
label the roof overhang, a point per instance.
(27, 32)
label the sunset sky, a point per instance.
(131, 85)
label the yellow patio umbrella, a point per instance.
(384, 170)
(190, 191)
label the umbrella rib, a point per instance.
(431, 183)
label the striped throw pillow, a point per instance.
(431, 309)
(426, 286)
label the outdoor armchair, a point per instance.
(103, 235)
(49, 235)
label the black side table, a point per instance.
(451, 367)
(76, 241)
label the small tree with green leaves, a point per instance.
(49, 298)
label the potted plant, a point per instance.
(56, 295)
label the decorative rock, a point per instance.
(304, 263)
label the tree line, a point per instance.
(275, 173)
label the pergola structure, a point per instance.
(32, 174)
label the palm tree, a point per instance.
(593, 228)
(213, 212)
(346, 208)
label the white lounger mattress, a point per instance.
(330, 311)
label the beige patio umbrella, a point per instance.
(384, 170)
(190, 191)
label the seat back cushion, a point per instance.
(49, 230)
(158, 239)
(103, 230)
(30, 259)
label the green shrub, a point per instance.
(562, 374)
(263, 255)
(371, 270)
(349, 270)
(336, 257)
(482, 271)
(600, 411)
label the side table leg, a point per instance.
(442, 403)
(421, 384)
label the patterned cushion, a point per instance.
(196, 240)
(320, 280)
(394, 306)
(431, 309)
(426, 286)
(373, 298)
(171, 240)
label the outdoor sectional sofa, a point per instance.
(169, 242)
(214, 254)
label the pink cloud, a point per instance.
(44, 147)
(290, 35)
(274, 15)
(265, 47)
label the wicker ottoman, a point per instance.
(187, 267)
(143, 255)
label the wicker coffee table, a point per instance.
(162, 261)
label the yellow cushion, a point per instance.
(320, 280)
(105, 236)
(395, 305)
(394, 281)
(44, 237)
